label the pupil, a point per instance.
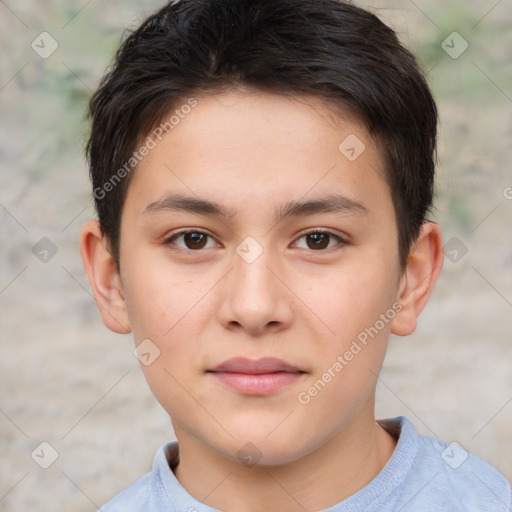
(320, 240)
(197, 240)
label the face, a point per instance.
(259, 256)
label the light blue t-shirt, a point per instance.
(423, 475)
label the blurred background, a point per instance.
(69, 383)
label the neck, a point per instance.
(328, 475)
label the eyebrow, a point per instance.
(333, 203)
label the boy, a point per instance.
(262, 173)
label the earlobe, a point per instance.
(418, 280)
(104, 278)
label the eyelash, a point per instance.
(341, 242)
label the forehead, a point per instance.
(250, 149)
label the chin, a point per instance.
(263, 450)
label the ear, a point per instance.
(104, 278)
(418, 280)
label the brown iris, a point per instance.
(319, 240)
(195, 240)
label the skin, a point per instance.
(251, 153)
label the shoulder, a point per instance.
(134, 498)
(470, 478)
(150, 492)
(451, 477)
(158, 490)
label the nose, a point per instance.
(254, 297)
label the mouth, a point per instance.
(256, 377)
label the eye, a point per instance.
(319, 240)
(192, 240)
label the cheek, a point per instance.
(348, 361)
(167, 309)
(161, 299)
(347, 300)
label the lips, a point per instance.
(256, 377)
(255, 367)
